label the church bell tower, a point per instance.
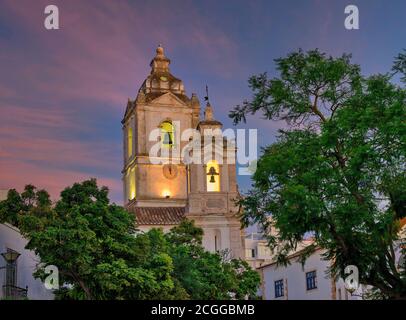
(162, 194)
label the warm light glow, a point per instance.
(131, 176)
(213, 180)
(130, 142)
(166, 193)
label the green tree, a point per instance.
(92, 243)
(399, 66)
(28, 200)
(206, 275)
(100, 254)
(338, 169)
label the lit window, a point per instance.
(131, 191)
(279, 290)
(130, 142)
(167, 134)
(213, 176)
(311, 280)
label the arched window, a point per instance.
(130, 142)
(213, 176)
(167, 134)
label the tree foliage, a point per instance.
(206, 275)
(337, 170)
(100, 254)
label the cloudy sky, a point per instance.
(63, 92)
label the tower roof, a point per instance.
(209, 121)
(160, 63)
(160, 80)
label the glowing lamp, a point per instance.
(166, 194)
(10, 256)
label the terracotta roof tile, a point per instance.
(159, 215)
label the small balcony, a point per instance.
(14, 293)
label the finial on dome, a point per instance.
(160, 50)
(206, 98)
(160, 63)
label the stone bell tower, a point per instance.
(213, 189)
(162, 194)
(161, 104)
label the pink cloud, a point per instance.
(54, 181)
(21, 143)
(54, 85)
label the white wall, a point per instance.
(263, 254)
(12, 239)
(294, 276)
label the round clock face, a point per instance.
(170, 171)
(163, 78)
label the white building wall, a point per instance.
(294, 276)
(257, 251)
(11, 238)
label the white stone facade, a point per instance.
(294, 279)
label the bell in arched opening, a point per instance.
(167, 138)
(167, 135)
(212, 172)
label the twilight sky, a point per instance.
(63, 92)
